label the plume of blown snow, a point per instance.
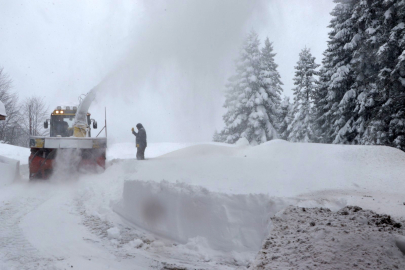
(179, 56)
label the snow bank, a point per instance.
(10, 170)
(316, 238)
(15, 152)
(181, 212)
(225, 194)
(279, 168)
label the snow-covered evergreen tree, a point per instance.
(217, 137)
(388, 125)
(301, 128)
(367, 24)
(321, 110)
(252, 95)
(271, 83)
(336, 76)
(285, 117)
(361, 93)
(360, 98)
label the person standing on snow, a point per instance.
(140, 141)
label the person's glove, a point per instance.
(132, 129)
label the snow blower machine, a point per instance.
(70, 139)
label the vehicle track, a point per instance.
(15, 250)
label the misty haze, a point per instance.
(215, 134)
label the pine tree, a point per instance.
(217, 137)
(252, 95)
(321, 109)
(271, 88)
(388, 126)
(367, 24)
(340, 87)
(361, 94)
(301, 128)
(286, 117)
(336, 77)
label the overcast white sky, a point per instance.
(161, 63)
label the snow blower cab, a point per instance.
(70, 140)
(62, 122)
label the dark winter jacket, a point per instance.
(140, 137)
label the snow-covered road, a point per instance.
(213, 208)
(42, 227)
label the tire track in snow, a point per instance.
(160, 256)
(15, 250)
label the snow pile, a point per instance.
(98, 194)
(225, 195)
(316, 238)
(113, 233)
(9, 169)
(181, 212)
(279, 168)
(15, 152)
(242, 142)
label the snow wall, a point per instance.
(180, 212)
(215, 202)
(9, 169)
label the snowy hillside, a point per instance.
(206, 206)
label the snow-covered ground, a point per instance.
(316, 238)
(204, 206)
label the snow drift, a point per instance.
(228, 222)
(10, 170)
(15, 152)
(10, 158)
(233, 203)
(279, 168)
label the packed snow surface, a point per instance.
(204, 206)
